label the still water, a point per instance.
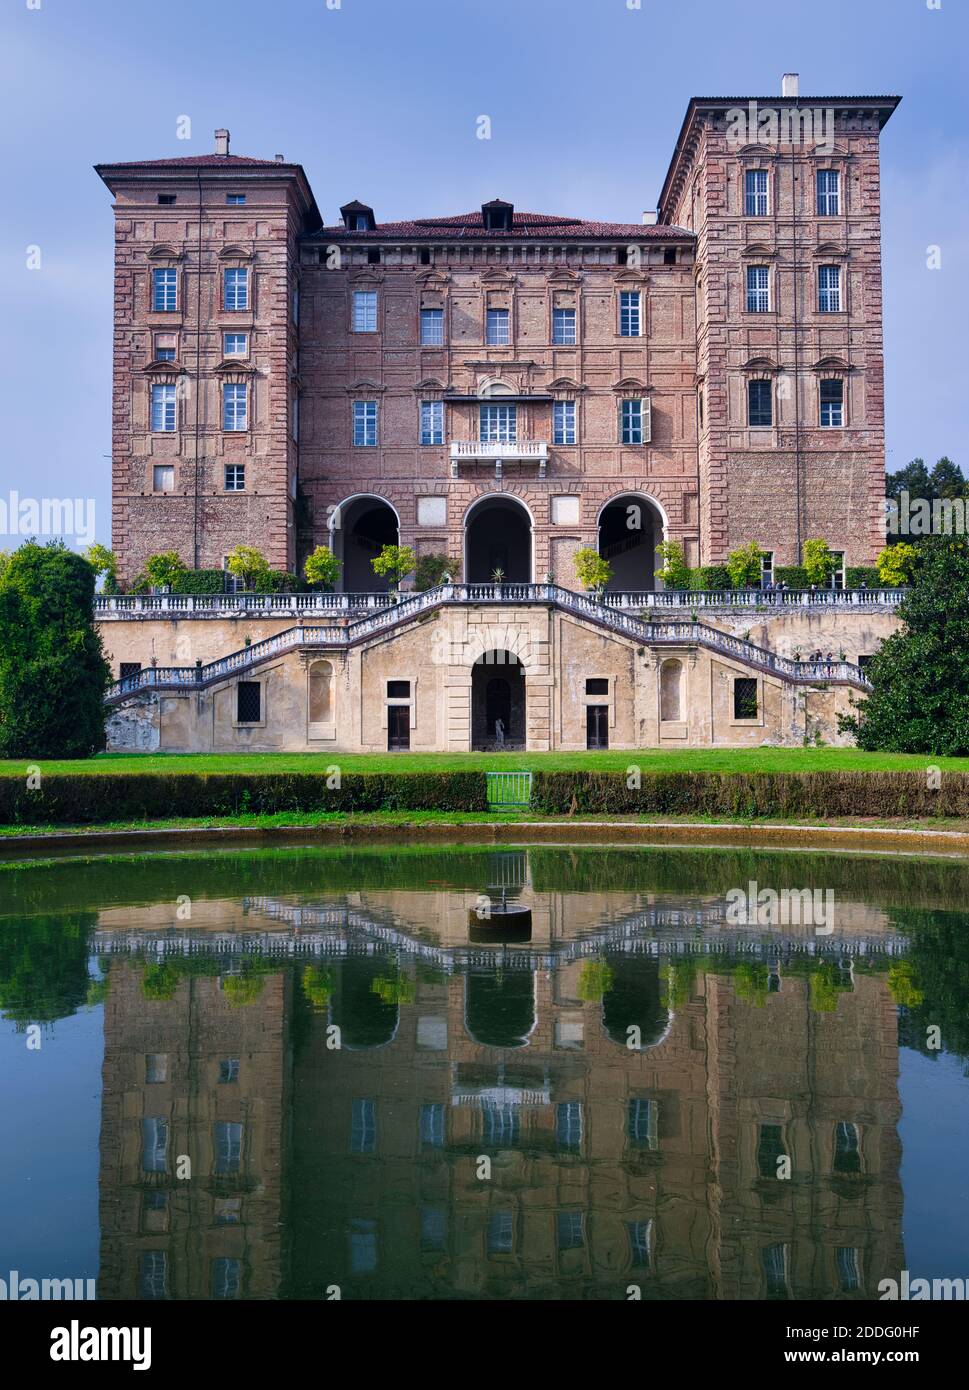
(309, 1072)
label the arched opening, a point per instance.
(497, 702)
(670, 690)
(364, 1003)
(499, 1007)
(634, 1000)
(321, 692)
(630, 529)
(361, 528)
(498, 536)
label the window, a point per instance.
(432, 1126)
(236, 289)
(597, 726)
(847, 1148)
(163, 477)
(631, 422)
(766, 569)
(563, 422)
(363, 1246)
(597, 685)
(630, 317)
(569, 1225)
(770, 1147)
(568, 1125)
(640, 1240)
(235, 344)
(433, 1228)
(829, 289)
(226, 1281)
(498, 328)
(760, 405)
(432, 327)
(227, 1146)
(398, 690)
(755, 193)
(501, 1231)
(234, 414)
(373, 255)
(425, 256)
(164, 296)
(745, 697)
(156, 1068)
(131, 668)
(248, 702)
(432, 422)
(849, 1274)
(641, 1123)
(829, 193)
(227, 1211)
(758, 289)
(363, 1127)
(500, 1124)
(163, 409)
(364, 424)
(563, 327)
(498, 424)
(235, 200)
(166, 200)
(838, 577)
(154, 1145)
(152, 1274)
(832, 403)
(232, 584)
(773, 1260)
(235, 477)
(228, 1071)
(165, 347)
(669, 255)
(365, 311)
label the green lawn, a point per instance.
(650, 760)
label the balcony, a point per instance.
(498, 453)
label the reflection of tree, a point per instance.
(44, 967)
(936, 981)
(317, 984)
(595, 978)
(751, 982)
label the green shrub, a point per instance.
(856, 575)
(431, 570)
(673, 571)
(69, 799)
(201, 582)
(710, 577)
(745, 565)
(794, 576)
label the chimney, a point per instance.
(279, 158)
(649, 219)
(789, 85)
(222, 141)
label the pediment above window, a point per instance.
(364, 387)
(562, 276)
(231, 369)
(494, 386)
(236, 253)
(431, 279)
(760, 367)
(832, 366)
(366, 277)
(432, 385)
(566, 385)
(161, 251)
(759, 250)
(496, 278)
(629, 276)
(163, 372)
(631, 386)
(831, 250)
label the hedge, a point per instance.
(69, 799)
(797, 794)
(794, 576)
(856, 575)
(710, 577)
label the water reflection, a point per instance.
(298, 1086)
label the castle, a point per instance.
(502, 388)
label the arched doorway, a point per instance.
(634, 999)
(498, 536)
(497, 699)
(499, 1006)
(361, 527)
(630, 529)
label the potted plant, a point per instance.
(396, 562)
(591, 570)
(322, 569)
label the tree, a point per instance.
(896, 565)
(675, 572)
(165, 569)
(251, 567)
(322, 568)
(431, 570)
(819, 563)
(920, 675)
(946, 479)
(591, 570)
(396, 562)
(103, 562)
(746, 565)
(53, 672)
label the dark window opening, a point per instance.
(769, 1149)
(129, 668)
(248, 702)
(597, 726)
(166, 199)
(398, 728)
(373, 255)
(863, 661)
(669, 255)
(425, 256)
(745, 698)
(497, 215)
(398, 690)
(597, 685)
(760, 410)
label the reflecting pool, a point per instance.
(452, 1073)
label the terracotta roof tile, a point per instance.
(470, 225)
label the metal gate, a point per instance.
(509, 791)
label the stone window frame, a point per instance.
(325, 728)
(832, 373)
(165, 258)
(681, 723)
(430, 400)
(758, 721)
(252, 679)
(162, 491)
(409, 700)
(609, 699)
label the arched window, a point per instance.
(321, 692)
(670, 688)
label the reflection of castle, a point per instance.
(609, 1165)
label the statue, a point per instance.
(499, 733)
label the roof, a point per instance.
(214, 161)
(112, 173)
(885, 105)
(471, 225)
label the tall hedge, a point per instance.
(53, 671)
(81, 799)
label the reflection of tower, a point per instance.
(205, 1073)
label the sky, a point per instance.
(379, 100)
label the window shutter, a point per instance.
(647, 420)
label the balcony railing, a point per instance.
(499, 452)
